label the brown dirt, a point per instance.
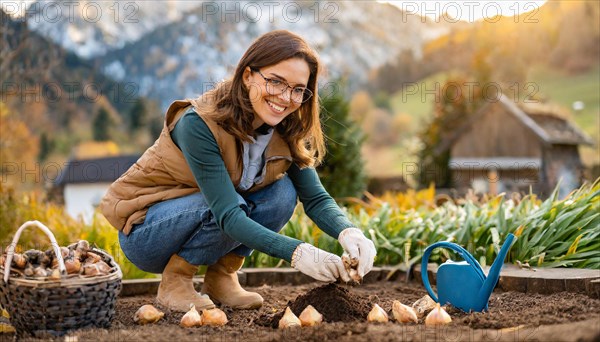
(335, 303)
(512, 316)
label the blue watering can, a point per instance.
(463, 284)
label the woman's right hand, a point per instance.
(319, 264)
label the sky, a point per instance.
(469, 10)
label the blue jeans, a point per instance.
(186, 226)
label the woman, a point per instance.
(224, 177)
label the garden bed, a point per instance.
(512, 316)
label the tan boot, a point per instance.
(222, 285)
(176, 290)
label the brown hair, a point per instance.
(301, 129)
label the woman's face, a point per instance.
(272, 109)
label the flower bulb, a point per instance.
(423, 306)
(289, 320)
(377, 314)
(438, 316)
(214, 317)
(147, 314)
(191, 318)
(403, 313)
(310, 317)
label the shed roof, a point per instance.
(560, 131)
(97, 170)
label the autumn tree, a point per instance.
(18, 148)
(457, 103)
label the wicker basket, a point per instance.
(54, 307)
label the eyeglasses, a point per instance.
(278, 87)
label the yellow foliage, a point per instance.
(18, 147)
(360, 105)
(95, 149)
(17, 209)
(573, 247)
(411, 199)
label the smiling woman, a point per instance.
(470, 11)
(224, 178)
(281, 98)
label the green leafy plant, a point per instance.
(551, 233)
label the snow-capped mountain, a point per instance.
(93, 28)
(177, 49)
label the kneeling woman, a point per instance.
(224, 177)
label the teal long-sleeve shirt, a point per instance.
(200, 149)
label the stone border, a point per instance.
(537, 280)
(258, 277)
(545, 281)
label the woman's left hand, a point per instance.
(358, 246)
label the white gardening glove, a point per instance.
(319, 264)
(358, 246)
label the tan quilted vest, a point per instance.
(162, 173)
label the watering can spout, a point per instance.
(494, 273)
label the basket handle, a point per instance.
(13, 245)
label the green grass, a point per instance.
(565, 89)
(417, 99)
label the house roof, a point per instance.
(97, 170)
(545, 124)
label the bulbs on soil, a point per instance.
(377, 314)
(423, 306)
(289, 320)
(438, 316)
(191, 318)
(147, 314)
(214, 317)
(403, 313)
(310, 317)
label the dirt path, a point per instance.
(513, 316)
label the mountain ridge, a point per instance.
(185, 55)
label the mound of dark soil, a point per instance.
(335, 303)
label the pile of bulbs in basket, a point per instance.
(78, 257)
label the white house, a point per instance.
(83, 182)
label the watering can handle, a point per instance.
(461, 251)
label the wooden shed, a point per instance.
(506, 148)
